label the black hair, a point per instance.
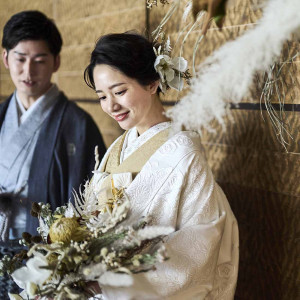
(128, 52)
(31, 25)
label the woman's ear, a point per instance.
(153, 87)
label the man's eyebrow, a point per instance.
(111, 87)
(37, 55)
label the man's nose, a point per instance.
(29, 68)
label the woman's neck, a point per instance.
(156, 115)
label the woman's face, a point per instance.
(124, 99)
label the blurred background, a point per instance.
(259, 176)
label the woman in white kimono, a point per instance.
(165, 177)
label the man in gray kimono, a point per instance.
(46, 142)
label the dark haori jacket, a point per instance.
(63, 157)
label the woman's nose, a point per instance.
(114, 105)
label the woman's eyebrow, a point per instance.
(111, 87)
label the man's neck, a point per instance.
(27, 101)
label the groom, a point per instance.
(46, 142)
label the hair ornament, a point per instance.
(172, 71)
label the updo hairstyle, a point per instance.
(130, 53)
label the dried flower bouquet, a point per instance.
(83, 244)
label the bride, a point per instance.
(165, 177)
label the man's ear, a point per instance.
(5, 58)
(153, 87)
(56, 62)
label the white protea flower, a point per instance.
(163, 65)
(179, 64)
(166, 66)
(176, 83)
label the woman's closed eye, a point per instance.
(116, 93)
(121, 92)
(102, 98)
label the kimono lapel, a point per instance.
(113, 160)
(8, 130)
(3, 109)
(22, 135)
(11, 119)
(10, 124)
(38, 181)
(133, 164)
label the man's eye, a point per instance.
(20, 59)
(102, 98)
(40, 61)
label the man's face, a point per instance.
(31, 65)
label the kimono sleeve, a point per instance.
(203, 250)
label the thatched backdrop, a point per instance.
(259, 178)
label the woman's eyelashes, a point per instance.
(121, 93)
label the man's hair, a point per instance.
(31, 25)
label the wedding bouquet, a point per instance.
(82, 244)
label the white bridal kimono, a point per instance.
(176, 187)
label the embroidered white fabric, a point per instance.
(176, 188)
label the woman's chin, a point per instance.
(126, 125)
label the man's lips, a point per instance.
(28, 82)
(121, 117)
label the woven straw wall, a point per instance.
(81, 23)
(260, 179)
(258, 176)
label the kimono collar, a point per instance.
(43, 100)
(14, 136)
(116, 173)
(133, 141)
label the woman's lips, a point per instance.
(121, 117)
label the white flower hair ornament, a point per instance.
(172, 71)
